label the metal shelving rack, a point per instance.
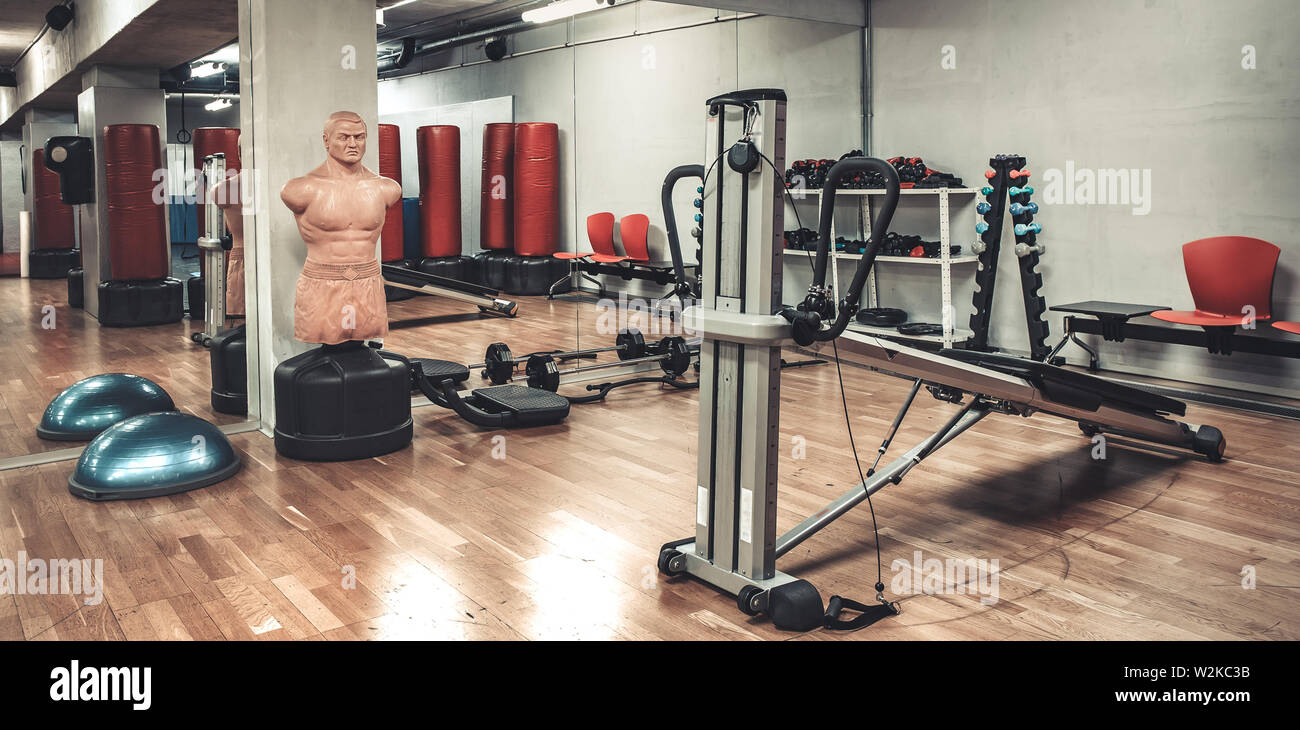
(945, 262)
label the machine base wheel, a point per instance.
(747, 600)
(666, 560)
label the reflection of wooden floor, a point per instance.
(558, 539)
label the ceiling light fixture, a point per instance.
(564, 9)
(218, 105)
(207, 69)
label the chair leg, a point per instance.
(566, 281)
(599, 285)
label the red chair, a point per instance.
(633, 230)
(600, 232)
(1292, 327)
(1226, 274)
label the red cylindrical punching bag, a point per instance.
(537, 188)
(390, 166)
(439, 152)
(209, 141)
(137, 233)
(496, 208)
(55, 225)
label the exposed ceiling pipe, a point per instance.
(389, 63)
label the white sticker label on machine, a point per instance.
(702, 506)
(746, 514)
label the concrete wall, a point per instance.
(11, 194)
(631, 107)
(1152, 85)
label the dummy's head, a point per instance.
(345, 137)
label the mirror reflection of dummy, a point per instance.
(340, 209)
(226, 197)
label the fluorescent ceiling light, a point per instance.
(564, 9)
(379, 17)
(218, 105)
(207, 69)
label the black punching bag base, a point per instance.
(76, 290)
(52, 263)
(230, 371)
(197, 293)
(342, 402)
(140, 303)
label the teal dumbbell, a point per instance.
(981, 227)
(986, 190)
(1017, 208)
(1022, 229)
(699, 218)
(698, 203)
(699, 189)
(1028, 190)
(983, 208)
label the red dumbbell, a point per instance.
(1016, 174)
(989, 174)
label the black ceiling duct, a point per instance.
(495, 49)
(408, 52)
(58, 17)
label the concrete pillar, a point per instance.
(299, 61)
(38, 126)
(112, 95)
(11, 193)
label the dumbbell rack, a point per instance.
(1007, 191)
(943, 263)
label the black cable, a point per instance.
(839, 374)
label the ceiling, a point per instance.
(20, 21)
(434, 17)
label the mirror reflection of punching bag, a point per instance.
(73, 159)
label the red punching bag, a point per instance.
(55, 227)
(537, 188)
(439, 151)
(210, 141)
(390, 166)
(496, 209)
(137, 234)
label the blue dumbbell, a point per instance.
(1017, 208)
(983, 208)
(981, 227)
(1017, 191)
(699, 189)
(699, 218)
(986, 190)
(1022, 229)
(698, 203)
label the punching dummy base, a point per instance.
(52, 263)
(139, 303)
(341, 402)
(230, 371)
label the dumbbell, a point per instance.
(981, 227)
(979, 247)
(986, 190)
(990, 174)
(1016, 174)
(1014, 191)
(1017, 208)
(499, 363)
(983, 208)
(1022, 229)
(1024, 249)
(672, 353)
(697, 203)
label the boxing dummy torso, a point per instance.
(340, 209)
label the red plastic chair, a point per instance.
(633, 230)
(600, 231)
(1292, 327)
(1226, 274)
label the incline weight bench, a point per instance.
(744, 326)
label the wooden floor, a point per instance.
(558, 539)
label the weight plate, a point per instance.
(543, 373)
(499, 363)
(631, 344)
(676, 356)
